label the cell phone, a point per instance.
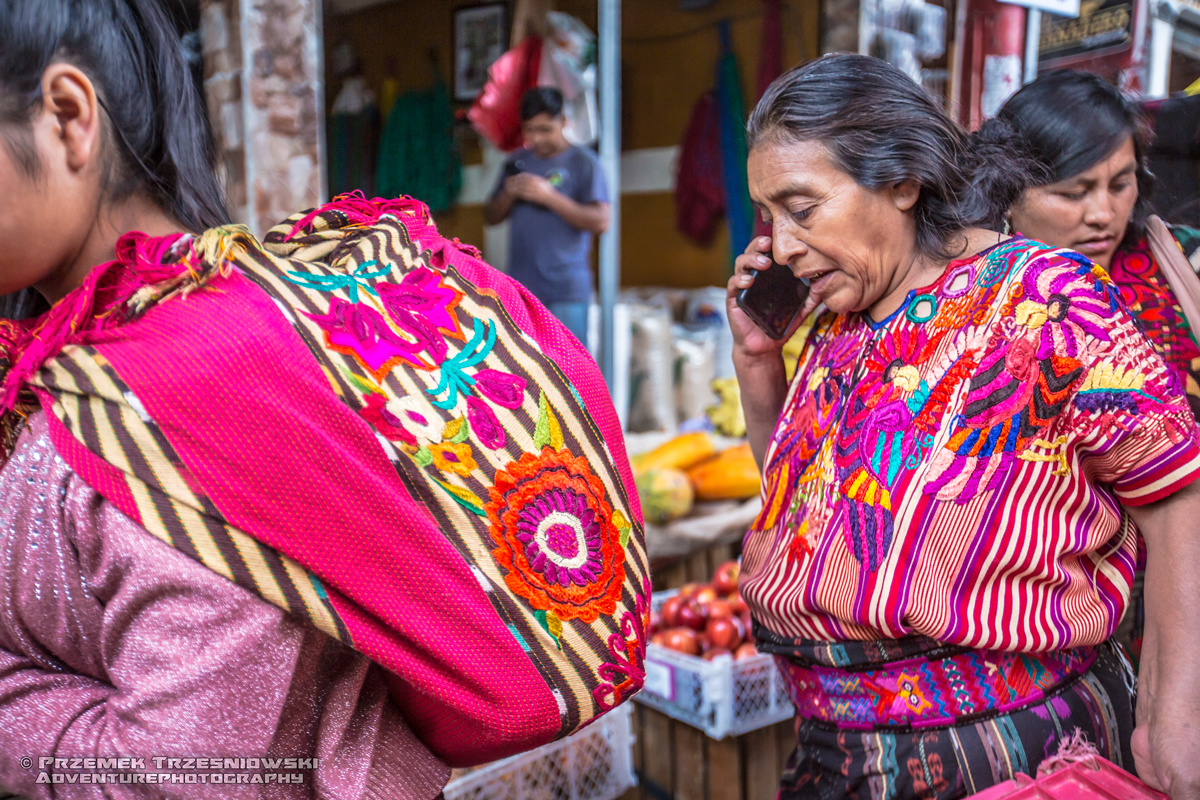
(512, 168)
(774, 300)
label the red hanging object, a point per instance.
(496, 113)
(770, 62)
(699, 191)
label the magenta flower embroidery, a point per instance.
(388, 424)
(500, 387)
(425, 309)
(360, 331)
(562, 538)
(1065, 306)
(484, 424)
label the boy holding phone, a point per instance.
(556, 196)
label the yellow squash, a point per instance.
(733, 475)
(682, 452)
(666, 494)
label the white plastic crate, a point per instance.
(722, 697)
(594, 764)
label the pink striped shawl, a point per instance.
(368, 426)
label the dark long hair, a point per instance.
(882, 129)
(1064, 123)
(157, 132)
(157, 125)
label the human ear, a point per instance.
(69, 97)
(905, 194)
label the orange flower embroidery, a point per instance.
(453, 457)
(555, 537)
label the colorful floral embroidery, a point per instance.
(415, 416)
(484, 425)
(361, 277)
(555, 537)
(389, 425)
(624, 675)
(1149, 297)
(500, 387)
(362, 332)
(918, 464)
(453, 457)
(425, 308)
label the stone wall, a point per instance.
(222, 45)
(263, 80)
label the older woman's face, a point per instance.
(846, 240)
(1088, 212)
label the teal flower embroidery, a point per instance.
(350, 281)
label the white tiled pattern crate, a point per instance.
(593, 764)
(722, 697)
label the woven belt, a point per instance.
(926, 693)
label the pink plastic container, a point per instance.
(1094, 778)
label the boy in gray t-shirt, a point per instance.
(556, 196)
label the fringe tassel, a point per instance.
(113, 292)
(209, 256)
(1075, 750)
(360, 211)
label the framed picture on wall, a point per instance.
(480, 37)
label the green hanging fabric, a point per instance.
(739, 213)
(417, 154)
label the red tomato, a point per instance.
(706, 595)
(683, 640)
(670, 611)
(747, 650)
(719, 609)
(715, 653)
(739, 605)
(725, 581)
(693, 615)
(724, 632)
(688, 590)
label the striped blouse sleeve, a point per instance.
(1137, 431)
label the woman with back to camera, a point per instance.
(282, 500)
(146, 653)
(956, 479)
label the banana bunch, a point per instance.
(727, 416)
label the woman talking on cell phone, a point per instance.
(957, 476)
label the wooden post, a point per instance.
(658, 748)
(691, 775)
(762, 768)
(725, 769)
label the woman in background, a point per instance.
(1091, 196)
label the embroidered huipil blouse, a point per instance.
(1148, 294)
(958, 470)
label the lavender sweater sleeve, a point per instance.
(114, 644)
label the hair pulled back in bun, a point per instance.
(1062, 124)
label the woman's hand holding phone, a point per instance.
(757, 358)
(761, 319)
